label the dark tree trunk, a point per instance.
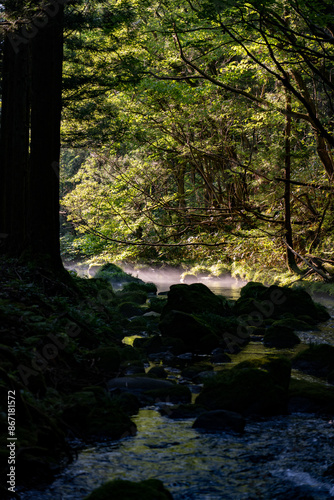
(287, 189)
(30, 146)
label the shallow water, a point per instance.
(274, 458)
(281, 458)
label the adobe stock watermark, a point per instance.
(55, 343)
(38, 22)
(246, 322)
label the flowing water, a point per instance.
(283, 458)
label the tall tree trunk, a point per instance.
(14, 147)
(291, 262)
(30, 146)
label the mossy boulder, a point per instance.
(157, 372)
(259, 303)
(115, 275)
(106, 360)
(173, 394)
(278, 367)
(150, 288)
(94, 413)
(317, 360)
(158, 344)
(245, 390)
(129, 309)
(157, 304)
(280, 337)
(310, 397)
(184, 326)
(220, 420)
(196, 298)
(138, 297)
(151, 489)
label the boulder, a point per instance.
(258, 303)
(184, 326)
(120, 489)
(196, 298)
(220, 420)
(139, 384)
(93, 413)
(317, 360)
(310, 397)
(280, 337)
(245, 390)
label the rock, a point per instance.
(94, 413)
(174, 394)
(196, 298)
(157, 372)
(151, 489)
(219, 356)
(310, 397)
(128, 310)
(185, 327)
(280, 337)
(258, 303)
(115, 275)
(220, 420)
(136, 297)
(105, 359)
(139, 384)
(245, 390)
(317, 360)
(156, 304)
(142, 287)
(158, 344)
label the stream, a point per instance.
(284, 457)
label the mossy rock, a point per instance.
(280, 337)
(317, 360)
(184, 326)
(310, 397)
(244, 390)
(173, 394)
(208, 343)
(151, 489)
(278, 367)
(129, 309)
(93, 415)
(141, 287)
(106, 360)
(294, 323)
(252, 290)
(273, 302)
(157, 344)
(192, 371)
(115, 275)
(157, 372)
(196, 298)
(157, 304)
(129, 353)
(136, 297)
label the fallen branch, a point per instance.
(324, 276)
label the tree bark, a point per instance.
(30, 146)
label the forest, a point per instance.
(194, 132)
(194, 135)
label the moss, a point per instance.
(157, 304)
(105, 359)
(175, 394)
(245, 390)
(151, 489)
(196, 298)
(142, 287)
(317, 360)
(280, 337)
(310, 397)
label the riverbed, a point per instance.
(285, 457)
